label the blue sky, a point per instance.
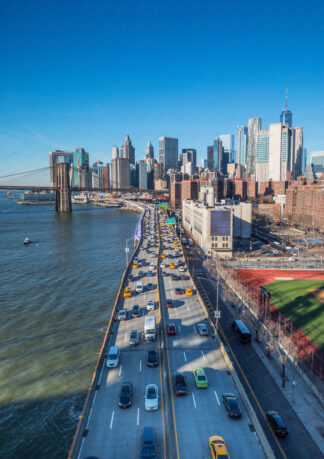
(84, 73)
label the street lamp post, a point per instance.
(127, 249)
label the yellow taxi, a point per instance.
(127, 292)
(135, 264)
(188, 291)
(175, 244)
(172, 266)
(218, 448)
(161, 235)
(162, 255)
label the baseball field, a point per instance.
(301, 301)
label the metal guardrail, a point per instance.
(81, 430)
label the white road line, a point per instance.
(194, 327)
(188, 308)
(179, 328)
(138, 412)
(101, 373)
(112, 419)
(140, 365)
(185, 357)
(81, 447)
(216, 397)
(120, 370)
(202, 353)
(194, 400)
(125, 337)
(113, 326)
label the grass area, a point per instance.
(302, 301)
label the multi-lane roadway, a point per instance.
(183, 424)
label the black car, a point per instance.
(125, 395)
(277, 424)
(140, 274)
(179, 291)
(131, 277)
(180, 384)
(150, 286)
(148, 443)
(184, 277)
(152, 358)
(232, 406)
(136, 311)
(174, 277)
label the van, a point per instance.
(113, 357)
(139, 287)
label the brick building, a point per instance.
(305, 203)
(189, 190)
(175, 194)
(252, 189)
(240, 189)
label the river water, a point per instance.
(56, 296)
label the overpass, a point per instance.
(184, 424)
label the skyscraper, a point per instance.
(254, 126)
(262, 156)
(242, 145)
(80, 158)
(149, 152)
(210, 157)
(142, 174)
(317, 160)
(228, 146)
(297, 168)
(286, 115)
(218, 155)
(127, 150)
(281, 151)
(120, 173)
(189, 155)
(168, 153)
(115, 152)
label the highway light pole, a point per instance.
(127, 249)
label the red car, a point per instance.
(169, 304)
(171, 329)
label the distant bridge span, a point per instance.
(98, 190)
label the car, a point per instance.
(136, 312)
(127, 292)
(170, 255)
(182, 269)
(122, 315)
(188, 291)
(113, 357)
(150, 305)
(184, 277)
(200, 377)
(133, 338)
(164, 274)
(150, 286)
(162, 265)
(141, 274)
(152, 358)
(232, 407)
(148, 443)
(202, 329)
(180, 384)
(171, 329)
(162, 255)
(149, 273)
(151, 397)
(131, 277)
(125, 395)
(277, 424)
(174, 277)
(179, 291)
(169, 304)
(218, 448)
(172, 266)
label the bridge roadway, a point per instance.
(183, 424)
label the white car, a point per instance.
(151, 397)
(122, 315)
(181, 269)
(162, 265)
(150, 305)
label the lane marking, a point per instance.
(140, 366)
(188, 307)
(185, 357)
(193, 399)
(179, 328)
(216, 397)
(202, 353)
(125, 337)
(101, 373)
(112, 419)
(120, 370)
(194, 327)
(138, 415)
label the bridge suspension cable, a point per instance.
(24, 173)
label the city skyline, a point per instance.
(67, 90)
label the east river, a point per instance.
(56, 296)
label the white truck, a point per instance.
(150, 328)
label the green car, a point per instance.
(200, 378)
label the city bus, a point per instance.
(242, 331)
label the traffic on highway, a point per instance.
(165, 390)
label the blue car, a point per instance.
(149, 273)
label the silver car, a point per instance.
(122, 315)
(133, 339)
(151, 397)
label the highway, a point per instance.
(298, 444)
(182, 424)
